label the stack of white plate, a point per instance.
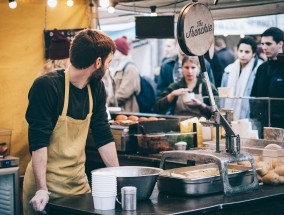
(104, 190)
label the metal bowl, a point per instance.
(143, 178)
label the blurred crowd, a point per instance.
(254, 69)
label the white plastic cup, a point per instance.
(180, 145)
(187, 97)
(104, 203)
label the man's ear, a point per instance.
(98, 62)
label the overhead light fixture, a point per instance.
(12, 4)
(52, 3)
(70, 3)
(104, 3)
(153, 11)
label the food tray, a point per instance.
(202, 185)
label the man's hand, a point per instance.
(39, 201)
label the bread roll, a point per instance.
(152, 118)
(279, 170)
(133, 118)
(271, 178)
(142, 118)
(264, 167)
(120, 117)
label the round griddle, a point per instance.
(195, 29)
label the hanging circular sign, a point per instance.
(195, 29)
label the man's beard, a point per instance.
(97, 75)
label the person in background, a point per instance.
(58, 53)
(171, 72)
(170, 101)
(269, 80)
(126, 78)
(171, 51)
(62, 106)
(240, 76)
(213, 61)
(225, 56)
(260, 53)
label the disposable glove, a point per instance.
(39, 201)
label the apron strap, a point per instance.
(66, 95)
(90, 99)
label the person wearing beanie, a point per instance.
(126, 78)
(122, 45)
(58, 53)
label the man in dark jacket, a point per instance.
(223, 58)
(269, 81)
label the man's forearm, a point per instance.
(109, 155)
(39, 161)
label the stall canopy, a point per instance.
(224, 9)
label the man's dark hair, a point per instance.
(274, 32)
(88, 45)
(248, 41)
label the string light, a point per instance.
(52, 3)
(12, 4)
(111, 9)
(153, 11)
(70, 3)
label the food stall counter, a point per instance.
(268, 200)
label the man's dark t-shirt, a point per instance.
(46, 99)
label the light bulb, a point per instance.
(52, 3)
(111, 9)
(12, 4)
(104, 3)
(70, 3)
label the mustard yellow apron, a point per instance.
(65, 174)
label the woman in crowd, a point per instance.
(170, 101)
(239, 76)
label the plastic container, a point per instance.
(155, 143)
(5, 142)
(104, 203)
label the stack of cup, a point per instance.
(104, 190)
